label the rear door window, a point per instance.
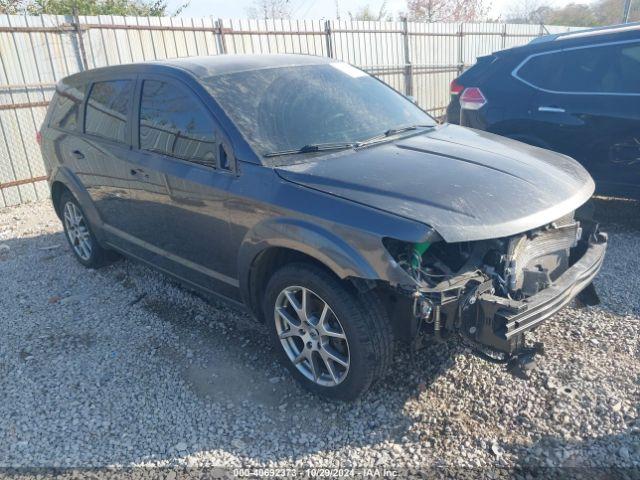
(602, 69)
(174, 122)
(628, 65)
(107, 109)
(66, 107)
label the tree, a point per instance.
(266, 9)
(575, 14)
(366, 13)
(598, 13)
(153, 8)
(527, 11)
(609, 12)
(10, 7)
(446, 10)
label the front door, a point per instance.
(182, 182)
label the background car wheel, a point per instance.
(83, 243)
(335, 342)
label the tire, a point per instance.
(78, 233)
(361, 319)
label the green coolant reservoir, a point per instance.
(418, 251)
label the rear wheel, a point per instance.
(78, 232)
(335, 343)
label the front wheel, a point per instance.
(335, 342)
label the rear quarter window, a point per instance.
(66, 107)
(613, 68)
(107, 109)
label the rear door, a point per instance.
(587, 106)
(64, 122)
(182, 175)
(100, 155)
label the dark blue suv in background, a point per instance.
(576, 93)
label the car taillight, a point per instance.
(456, 88)
(39, 137)
(472, 99)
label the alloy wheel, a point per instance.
(312, 336)
(77, 231)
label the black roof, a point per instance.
(590, 32)
(576, 38)
(221, 64)
(202, 67)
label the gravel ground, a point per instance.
(122, 367)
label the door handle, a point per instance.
(78, 154)
(551, 109)
(138, 172)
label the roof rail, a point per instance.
(624, 27)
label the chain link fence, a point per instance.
(417, 59)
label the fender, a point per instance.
(305, 237)
(70, 180)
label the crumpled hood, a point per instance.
(466, 184)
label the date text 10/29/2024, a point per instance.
(372, 472)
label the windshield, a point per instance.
(280, 109)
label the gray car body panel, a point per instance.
(466, 184)
(267, 212)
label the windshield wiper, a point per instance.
(313, 147)
(319, 147)
(390, 133)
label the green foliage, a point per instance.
(447, 10)
(269, 9)
(143, 8)
(598, 13)
(10, 7)
(367, 13)
(577, 14)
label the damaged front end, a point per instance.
(494, 291)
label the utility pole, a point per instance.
(627, 9)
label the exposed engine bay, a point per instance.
(518, 266)
(493, 291)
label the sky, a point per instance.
(316, 9)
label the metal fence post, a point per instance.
(84, 64)
(504, 36)
(543, 30)
(625, 13)
(328, 39)
(460, 49)
(222, 43)
(408, 68)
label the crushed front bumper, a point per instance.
(500, 323)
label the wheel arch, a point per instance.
(57, 189)
(64, 180)
(278, 242)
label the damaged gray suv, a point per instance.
(338, 212)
